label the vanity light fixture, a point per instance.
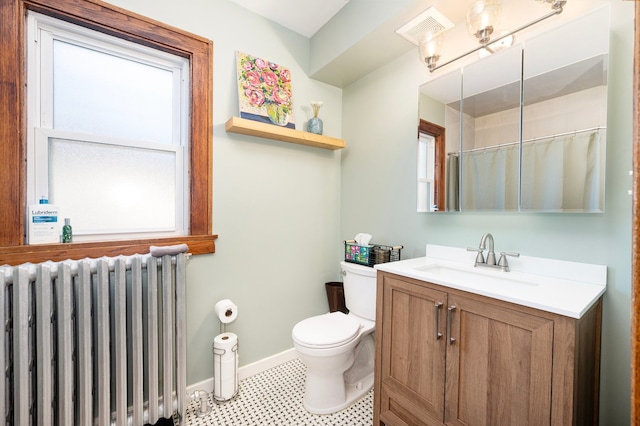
(430, 47)
(426, 31)
(481, 21)
(482, 18)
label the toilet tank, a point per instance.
(359, 289)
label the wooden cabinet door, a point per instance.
(498, 366)
(413, 351)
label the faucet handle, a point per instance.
(479, 257)
(509, 253)
(503, 259)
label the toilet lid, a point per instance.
(325, 331)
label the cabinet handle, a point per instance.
(450, 310)
(437, 314)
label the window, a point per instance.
(106, 131)
(165, 51)
(431, 167)
(426, 172)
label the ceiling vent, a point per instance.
(429, 20)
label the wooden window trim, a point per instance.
(118, 22)
(438, 133)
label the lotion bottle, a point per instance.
(43, 225)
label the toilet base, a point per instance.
(332, 393)
(353, 392)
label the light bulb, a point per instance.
(430, 47)
(482, 19)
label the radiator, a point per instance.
(94, 341)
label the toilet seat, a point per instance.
(326, 331)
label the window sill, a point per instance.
(15, 255)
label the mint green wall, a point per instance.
(282, 210)
(276, 205)
(378, 196)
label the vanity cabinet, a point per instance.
(445, 356)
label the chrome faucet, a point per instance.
(491, 256)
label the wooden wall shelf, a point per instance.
(284, 134)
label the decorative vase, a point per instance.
(277, 115)
(314, 125)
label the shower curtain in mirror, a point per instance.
(564, 174)
(490, 179)
(558, 174)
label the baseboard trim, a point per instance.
(249, 369)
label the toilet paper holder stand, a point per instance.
(201, 397)
(218, 353)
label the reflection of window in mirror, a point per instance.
(431, 185)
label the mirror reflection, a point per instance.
(524, 130)
(438, 142)
(489, 160)
(564, 117)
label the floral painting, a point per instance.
(264, 90)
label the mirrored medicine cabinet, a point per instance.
(522, 130)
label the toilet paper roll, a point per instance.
(225, 366)
(224, 370)
(226, 311)
(225, 345)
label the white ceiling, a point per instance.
(305, 17)
(378, 43)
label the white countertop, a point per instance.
(561, 287)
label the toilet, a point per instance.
(338, 349)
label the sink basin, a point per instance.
(562, 287)
(477, 276)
